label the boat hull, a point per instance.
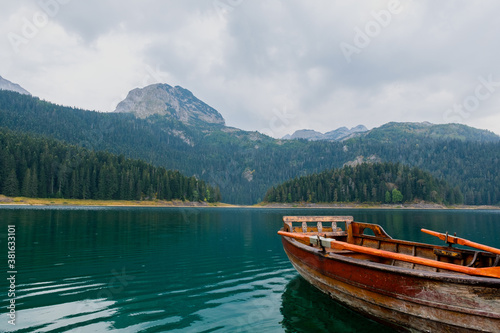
(414, 301)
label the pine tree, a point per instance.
(25, 190)
(388, 197)
(11, 185)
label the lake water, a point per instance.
(185, 270)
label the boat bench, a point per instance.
(326, 225)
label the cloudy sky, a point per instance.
(269, 65)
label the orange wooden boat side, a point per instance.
(339, 245)
(392, 281)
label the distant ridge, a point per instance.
(339, 134)
(7, 85)
(394, 131)
(397, 131)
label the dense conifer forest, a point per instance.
(244, 165)
(46, 168)
(375, 183)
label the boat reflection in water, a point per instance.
(415, 286)
(306, 309)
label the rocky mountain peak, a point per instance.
(339, 134)
(175, 102)
(7, 85)
(307, 134)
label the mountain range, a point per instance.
(168, 126)
(179, 104)
(340, 134)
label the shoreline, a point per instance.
(22, 201)
(422, 205)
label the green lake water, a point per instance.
(185, 270)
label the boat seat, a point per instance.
(448, 253)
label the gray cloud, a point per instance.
(254, 59)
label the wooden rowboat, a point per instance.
(416, 287)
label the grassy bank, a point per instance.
(179, 203)
(109, 203)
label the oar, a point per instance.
(461, 241)
(339, 245)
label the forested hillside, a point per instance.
(39, 167)
(472, 166)
(376, 183)
(393, 132)
(244, 165)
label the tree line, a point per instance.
(46, 168)
(376, 183)
(226, 158)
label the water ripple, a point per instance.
(158, 270)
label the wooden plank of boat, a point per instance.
(461, 241)
(339, 245)
(317, 218)
(413, 297)
(414, 300)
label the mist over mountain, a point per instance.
(7, 85)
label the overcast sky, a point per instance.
(267, 65)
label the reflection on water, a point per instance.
(306, 309)
(185, 270)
